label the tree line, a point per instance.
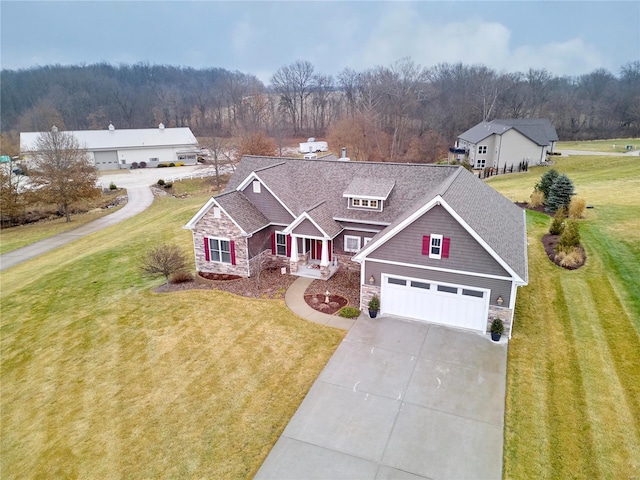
(399, 112)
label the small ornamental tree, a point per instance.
(546, 181)
(570, 237)
(560, 194)
(164, 260)
(557, 224)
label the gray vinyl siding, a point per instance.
(465, 252)
(260, 241)
(307, 228)
(497, 287)
(338, 244)
(268, 205)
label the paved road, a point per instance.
(140, 198)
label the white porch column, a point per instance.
(294, 248)
(324, 261)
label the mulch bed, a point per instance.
(549, 243)
(317, 302)
(539, 208)
(344, 284)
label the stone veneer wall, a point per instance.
(506, 314)
(366, 292)
(208, 226)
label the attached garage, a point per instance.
(107, 160)
(446, 304)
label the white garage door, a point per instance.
(453, 305)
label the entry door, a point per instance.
(315, 249)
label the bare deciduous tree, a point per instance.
(61, 172)
(164, 260)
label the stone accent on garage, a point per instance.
(366, 293)
(506, 314)
(222, 227)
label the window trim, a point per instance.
(438, 255)
(483, 149)
(220, 251)
(352, 237)
(283, 244)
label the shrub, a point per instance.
(374, 303)
(570, 259)
(546, 181)
(180, 164)
(560, 194)
(168, 185)
(349, 312)
(497, 326)
(181, 277)
(557, 224)
(134, 165)
(577, 207)
(143, 164)
(112, 186)
(160, 182)
(162, 165)
(165, 260)
(536, 199)
(570, 237)
(172, 164)
(467, 165)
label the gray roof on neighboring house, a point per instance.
(317, 187)
(246, 215)
(538, 130)
(372, 187)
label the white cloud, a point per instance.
(401, 32)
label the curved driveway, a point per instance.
(139, 199)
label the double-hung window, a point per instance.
(435, 249)
(281, 244)
(351, 243)
(482, 149)
(220, 250)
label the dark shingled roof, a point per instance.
(374, 187)
(246, 215)
(538, 130)
(317, 187)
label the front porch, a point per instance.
(313, 269)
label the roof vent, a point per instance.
(112, 128)
(54, 129)
(161, 126)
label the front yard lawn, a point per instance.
(101, 378)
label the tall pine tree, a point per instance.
(560, 194)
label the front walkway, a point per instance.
(294, 298)
(398, 399)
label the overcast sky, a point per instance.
(564, 37)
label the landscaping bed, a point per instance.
(318, 302)
(550, 241)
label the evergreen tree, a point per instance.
(560, 194)
(546, 181)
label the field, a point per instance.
(615, 145)
(573, 381)
(102, 378)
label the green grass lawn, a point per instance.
(573, 381)
(101, 378)
(612, 145)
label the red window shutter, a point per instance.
(330, 248)
(288, 245)
(207, 256)
(232, 247)
(273, 243)
(445, 247)
(426, 244)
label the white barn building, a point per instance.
(115, 149)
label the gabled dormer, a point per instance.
(368, 193)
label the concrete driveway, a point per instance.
(402, 400)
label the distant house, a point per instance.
(114, 149)
(434, 242)
(506, 142)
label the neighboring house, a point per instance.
(113, 149)
(434, 242)
(506, 142)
